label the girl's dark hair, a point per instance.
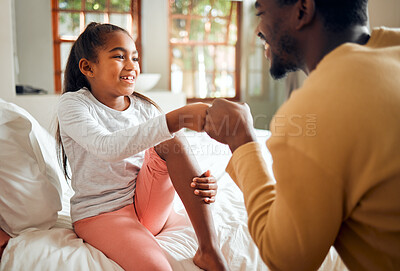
(86, 46)
(338, 14)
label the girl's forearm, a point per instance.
(173, 122)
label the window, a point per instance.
(70, 17)
(204, 48)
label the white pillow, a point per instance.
(30, 192)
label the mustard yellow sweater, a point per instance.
(336, 150)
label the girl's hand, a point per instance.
(205, 186)
(194, 116)
(191, 116)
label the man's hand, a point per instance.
(230, 123)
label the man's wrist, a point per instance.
(239, 141)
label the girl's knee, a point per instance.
(176, 146)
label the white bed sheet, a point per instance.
(60, 249)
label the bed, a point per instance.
(56, 247)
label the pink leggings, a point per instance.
(127, 235)
(4, 237)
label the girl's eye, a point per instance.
(259, 14)
(136, 59)
(119, 56)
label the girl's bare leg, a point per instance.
(182, 168)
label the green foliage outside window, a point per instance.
(95, 5)
(120, 5)
(203, 39)
(70, 4)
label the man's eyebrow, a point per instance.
(121, 49)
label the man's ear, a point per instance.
(85, 67)
(305, 13)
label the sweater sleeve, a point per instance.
(295, 221)
(77, 122)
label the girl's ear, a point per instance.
(305, 13)
(85, 67)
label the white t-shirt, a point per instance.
(105, 149)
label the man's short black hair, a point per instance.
(338, 14)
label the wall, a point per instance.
(34, 44)
(155, 55)
(7, 89)
(384, 13)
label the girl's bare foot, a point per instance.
(210, 260)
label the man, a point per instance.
(335, 143)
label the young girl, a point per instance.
(122, 183)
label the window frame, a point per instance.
(192, 44)
(135, 13)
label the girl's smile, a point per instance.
(129, 79)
